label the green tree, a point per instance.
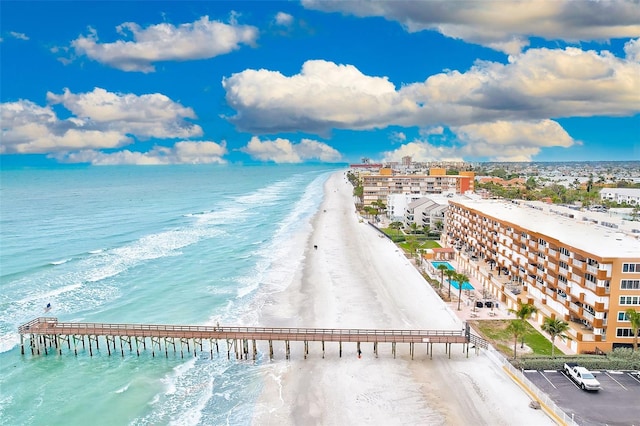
(442, 268)
(524, 312)
(555, 328)
(426, 229)
(450, 275)
(414, 227)
(517, 328)
(460, 278)
(397, 226)
(634, 317)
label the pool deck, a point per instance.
(468, 312)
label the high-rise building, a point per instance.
(580, 267)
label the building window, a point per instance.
(622, 316)
(629, 300)
(542, 242)
(625, 332)
(590, 277)
(563, 265)
(631, 267)
(630, 285)
(562, 279)
(565, 251)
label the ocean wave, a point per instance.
(123, 389)
(60, 262)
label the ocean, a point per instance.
(189, 245)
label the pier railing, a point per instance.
(49, 329)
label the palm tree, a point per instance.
(516, 328)
(634, 317)
(523, 312)
(461, 278)
(442, 267)
(397, 226)
(555, 328)
(450, 274)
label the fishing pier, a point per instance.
(47, 334)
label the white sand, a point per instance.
(355, 279)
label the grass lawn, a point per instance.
(495, 332)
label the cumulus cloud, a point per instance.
(185, 152)
(632, 50)
(149, 115)
(28, 128)
(539, 84)
(423, 151)
(99, 120)
(511, 141)
(496, 141)
(284, 151)
(504, 25)
(322, 97)
(201, 39)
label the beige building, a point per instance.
(581, 267)
(379, 186)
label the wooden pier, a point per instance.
(47, 334)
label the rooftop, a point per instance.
(598, 233)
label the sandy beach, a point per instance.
(357, 279)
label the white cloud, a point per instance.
(323, 96)
(423, 151)
(19, 36)
(31, 129)
(539, 84)
(201, 39)
(284, 151)
(632, 50)
(99, 120)
(185, 152)
(496, 141)
(149, 115)
(511, 141)
(504, 25)
(283, 19)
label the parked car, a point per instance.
(479, 304)
(488, 304)
(581, 376)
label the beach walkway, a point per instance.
(47, 334)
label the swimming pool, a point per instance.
(455, 284)
(447, 264)
(465, 286)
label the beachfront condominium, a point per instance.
(577, 266)
(386, 182)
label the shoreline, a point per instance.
(354, 279)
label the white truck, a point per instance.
(581, 376)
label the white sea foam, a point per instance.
(123, 389)
(60, 262)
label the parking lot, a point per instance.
(616, 403)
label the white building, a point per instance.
(621, 195)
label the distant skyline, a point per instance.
(318, 81)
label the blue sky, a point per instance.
(318, 81)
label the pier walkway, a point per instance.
(47, 334)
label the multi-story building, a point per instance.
(379, 186)
(580, 267)
(629, 196)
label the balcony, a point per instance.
(564, 257)
(552, 252)
(577, 263)
(592, 270)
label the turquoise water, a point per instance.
(164, 245)
(447, 264)
(455, 284)
(465, 285)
